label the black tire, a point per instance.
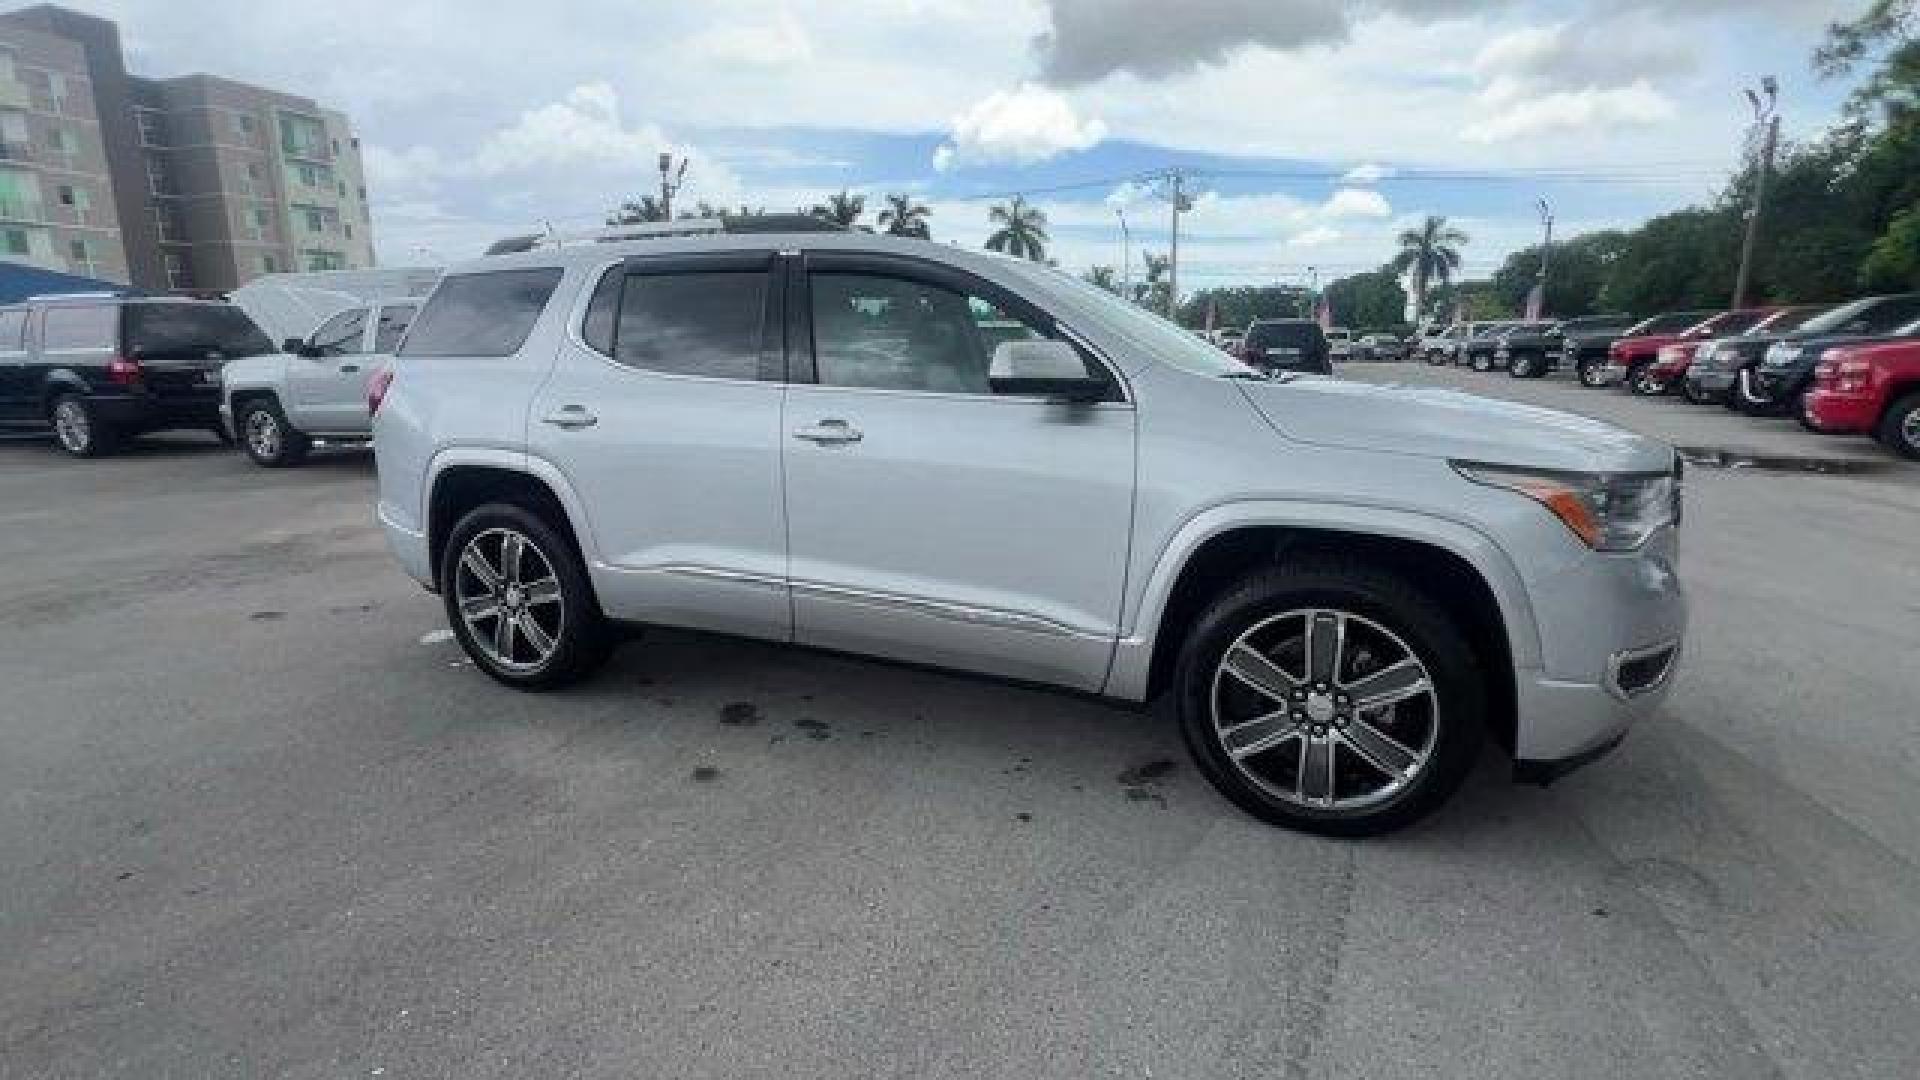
(1482, 363)
(1262, 599)
(1695, 393)
(1641, 382)
(266, 435)
(1899, 429)
(1797, 408)
(78, 429)
(1524, 366)
(580, 638)
(1588, 369)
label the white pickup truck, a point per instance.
(277, 404)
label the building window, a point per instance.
(20, 195)
(269, 264)
(16, 241)
(349, 229)
(163, 227)
(153, 127)
(15, 138)
(321, 261)
(336, 148)
(158, 182)
(57, 90)
(302, 136)
(179, 274)
(68, 196)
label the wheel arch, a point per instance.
(61, 381)
(460, 483)
(1467, 573)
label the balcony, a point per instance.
(21, 210)
(18, 151)
(15, 95)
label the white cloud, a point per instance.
(767, 44)
(584, 129)
(1366, 174)
(1026, 125)
(1592, 109)
(1357, 203)
(1318, 236)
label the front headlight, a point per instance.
(1607, 511)
(1781, 355)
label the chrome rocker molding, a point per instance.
(961, 613)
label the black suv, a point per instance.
(1780, 383)
(1531, 353)
(100, 369)
(1287, 345)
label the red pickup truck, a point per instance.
(1872, 388)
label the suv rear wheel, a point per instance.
(1330, 697)
(78, 428)
(270, 441)
(1900, 427)
(518, 599)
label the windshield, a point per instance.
(1165, 340)
(1738, 322)
(1869, 315)
(1670, 323)
(1790, 319)
(173, 329)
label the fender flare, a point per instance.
(516, 461)
(1133, 661)
(61, 381)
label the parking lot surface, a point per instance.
(262, 818)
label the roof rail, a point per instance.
(97, 294)
(656, 230)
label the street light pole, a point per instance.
(1538, 307)
(669, 183)
(1766, 127)
(1173, 254)
(1126, 252)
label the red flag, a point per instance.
(1323, 313)
(1536, 301)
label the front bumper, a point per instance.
(1611, 632)
(1710, 384)
(1842, 414)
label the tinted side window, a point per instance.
(486, 314)
(81, 328)
(1890, 314)
(597, 328)
(394, 321)
(705, 323)
(12, 325)
(341, 334)
(192, 329)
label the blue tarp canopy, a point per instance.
(19, 281)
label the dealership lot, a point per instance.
(261, 817)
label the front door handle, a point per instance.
(570, 418)
(349, 367)
(829, 433)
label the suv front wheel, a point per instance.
(1330, 697)
(519, 601)
(78, 428)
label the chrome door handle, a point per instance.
(570, 418)
(349, 367)
(829, 432)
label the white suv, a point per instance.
(276, 404)
(890, 447)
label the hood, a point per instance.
(1433, 422)
(1811, 346)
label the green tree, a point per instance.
(1368, 302)
(842, 208)
(1885, 35)
(904, 217)
(1894, 263)
(632, 212)
(1103, 277)
(1020, 230)
(1153, 290)
(1576, 272)
(1685, 259)
(1239, 305)
(1431, 254)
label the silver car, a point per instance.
(907, 450)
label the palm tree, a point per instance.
(1022, 230)
(1153, 292)
(842, 208)
(904, 217)
(1102, 277)
(1432, 253)
(649, 208)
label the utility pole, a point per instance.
(1126, 253)
(1173, 252)
(1537, 304)
(669, 183)
(1766, 128)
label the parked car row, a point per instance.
(99, 369)
(1852, 368)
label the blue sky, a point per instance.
(1315, 129)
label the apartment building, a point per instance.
(190, 184)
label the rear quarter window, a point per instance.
(81, 328)
(484, 314)
(193, 329)
(13, 325)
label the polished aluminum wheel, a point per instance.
(1910, 431)
(1325, 709)
(71, 427)
(264, 437)
(509, 597)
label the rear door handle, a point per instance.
(570, 418)
(349, 367)
(829, 432)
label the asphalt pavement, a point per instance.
(260, 818)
